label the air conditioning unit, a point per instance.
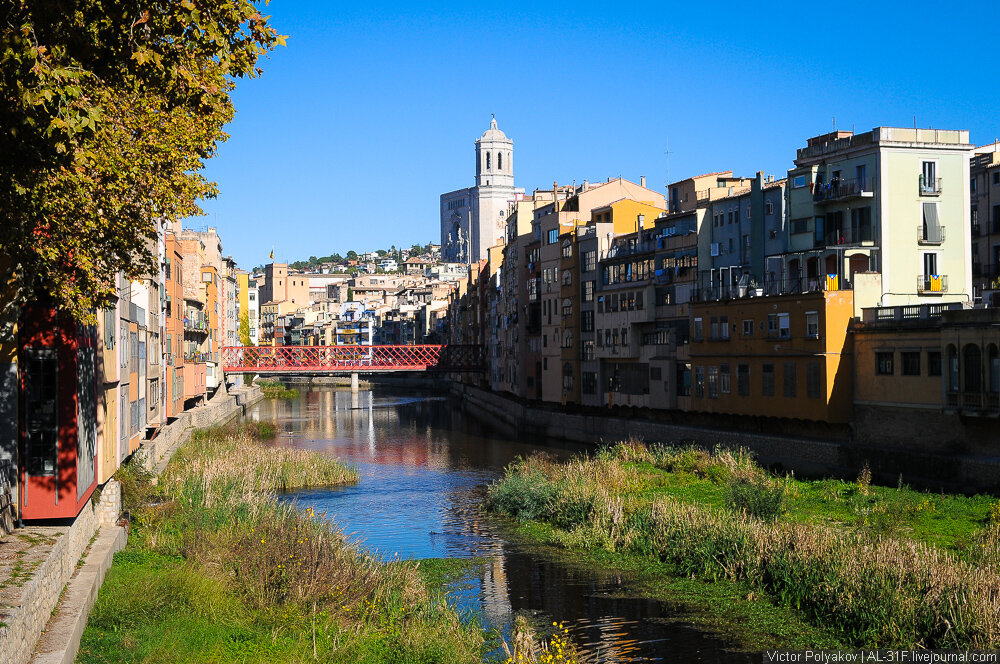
(714, 249)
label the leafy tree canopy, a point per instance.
(108, 112)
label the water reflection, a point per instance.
(423, 467)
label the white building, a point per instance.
(474, 219)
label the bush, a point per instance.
(758, 497)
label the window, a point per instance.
(767, 380)
(499, 161)
(789, 385)
(41, 378)
(909, 362)
(713, 382)
(699, 382)
(600, 338)
(799, 181)
(110, 328)
(883, 363)
(724, 328)
(769, 208)
(743, 379)
(933, 363)
(800, 226)
(814, 389)
(861, 176)
(698, 330)
(996, 177)
(553, 236)
(748, 327)
(589, 382)
(488, 161)
(655, 373)
(567, 250)
(778, 326)
(812, 324)
(589, 261)
(724, 384)
(588, 291)
(587, 322)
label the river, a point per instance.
(424, 465)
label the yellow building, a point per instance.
(776, 356)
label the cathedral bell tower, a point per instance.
(494, 158)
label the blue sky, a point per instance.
(370, 112)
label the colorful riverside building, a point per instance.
(173, 323)
(58, 414)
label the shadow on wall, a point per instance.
(8, 443)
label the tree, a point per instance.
(109, 112)
(352, 255)
(244, 330)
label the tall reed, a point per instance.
(872, 590)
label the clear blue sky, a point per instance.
(370, 112)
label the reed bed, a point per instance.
(870, 589)
(289, 583)
(273, 389)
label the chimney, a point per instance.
(586, 185)
(642, 181)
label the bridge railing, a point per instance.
(309, 359)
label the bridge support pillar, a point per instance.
(354, 382)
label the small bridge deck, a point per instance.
(331, 360)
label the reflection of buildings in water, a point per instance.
(495, 594)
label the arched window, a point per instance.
(488, 161)
(952, 369)
(972, 367)
(499, 161)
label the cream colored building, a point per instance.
(884, 212)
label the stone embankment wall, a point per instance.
(22, 626)
(918, 467)
(39, 595)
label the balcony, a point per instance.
(859, 235)
(197, 357)
(930, 234)
(930, 186)
(932, 284)
(843, 190)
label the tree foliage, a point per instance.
(109, 111)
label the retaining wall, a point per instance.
(40, 594)
(966, 473)
(22, 627)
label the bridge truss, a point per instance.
(351, 359)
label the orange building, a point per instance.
(774, 356)
(173, 327)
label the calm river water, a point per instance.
(424, 466)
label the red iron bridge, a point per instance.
(328, 360)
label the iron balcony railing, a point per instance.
(841, 189)
(932, 283)
(930, 234)
(930, 186)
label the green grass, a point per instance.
(867, 565)
(438, 573)
(734, 611)
(276, 390)
(218, 570)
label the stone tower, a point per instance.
(494, 158)
(474, 219)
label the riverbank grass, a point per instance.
(870, 566)
(218, 570)
(274, 389)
